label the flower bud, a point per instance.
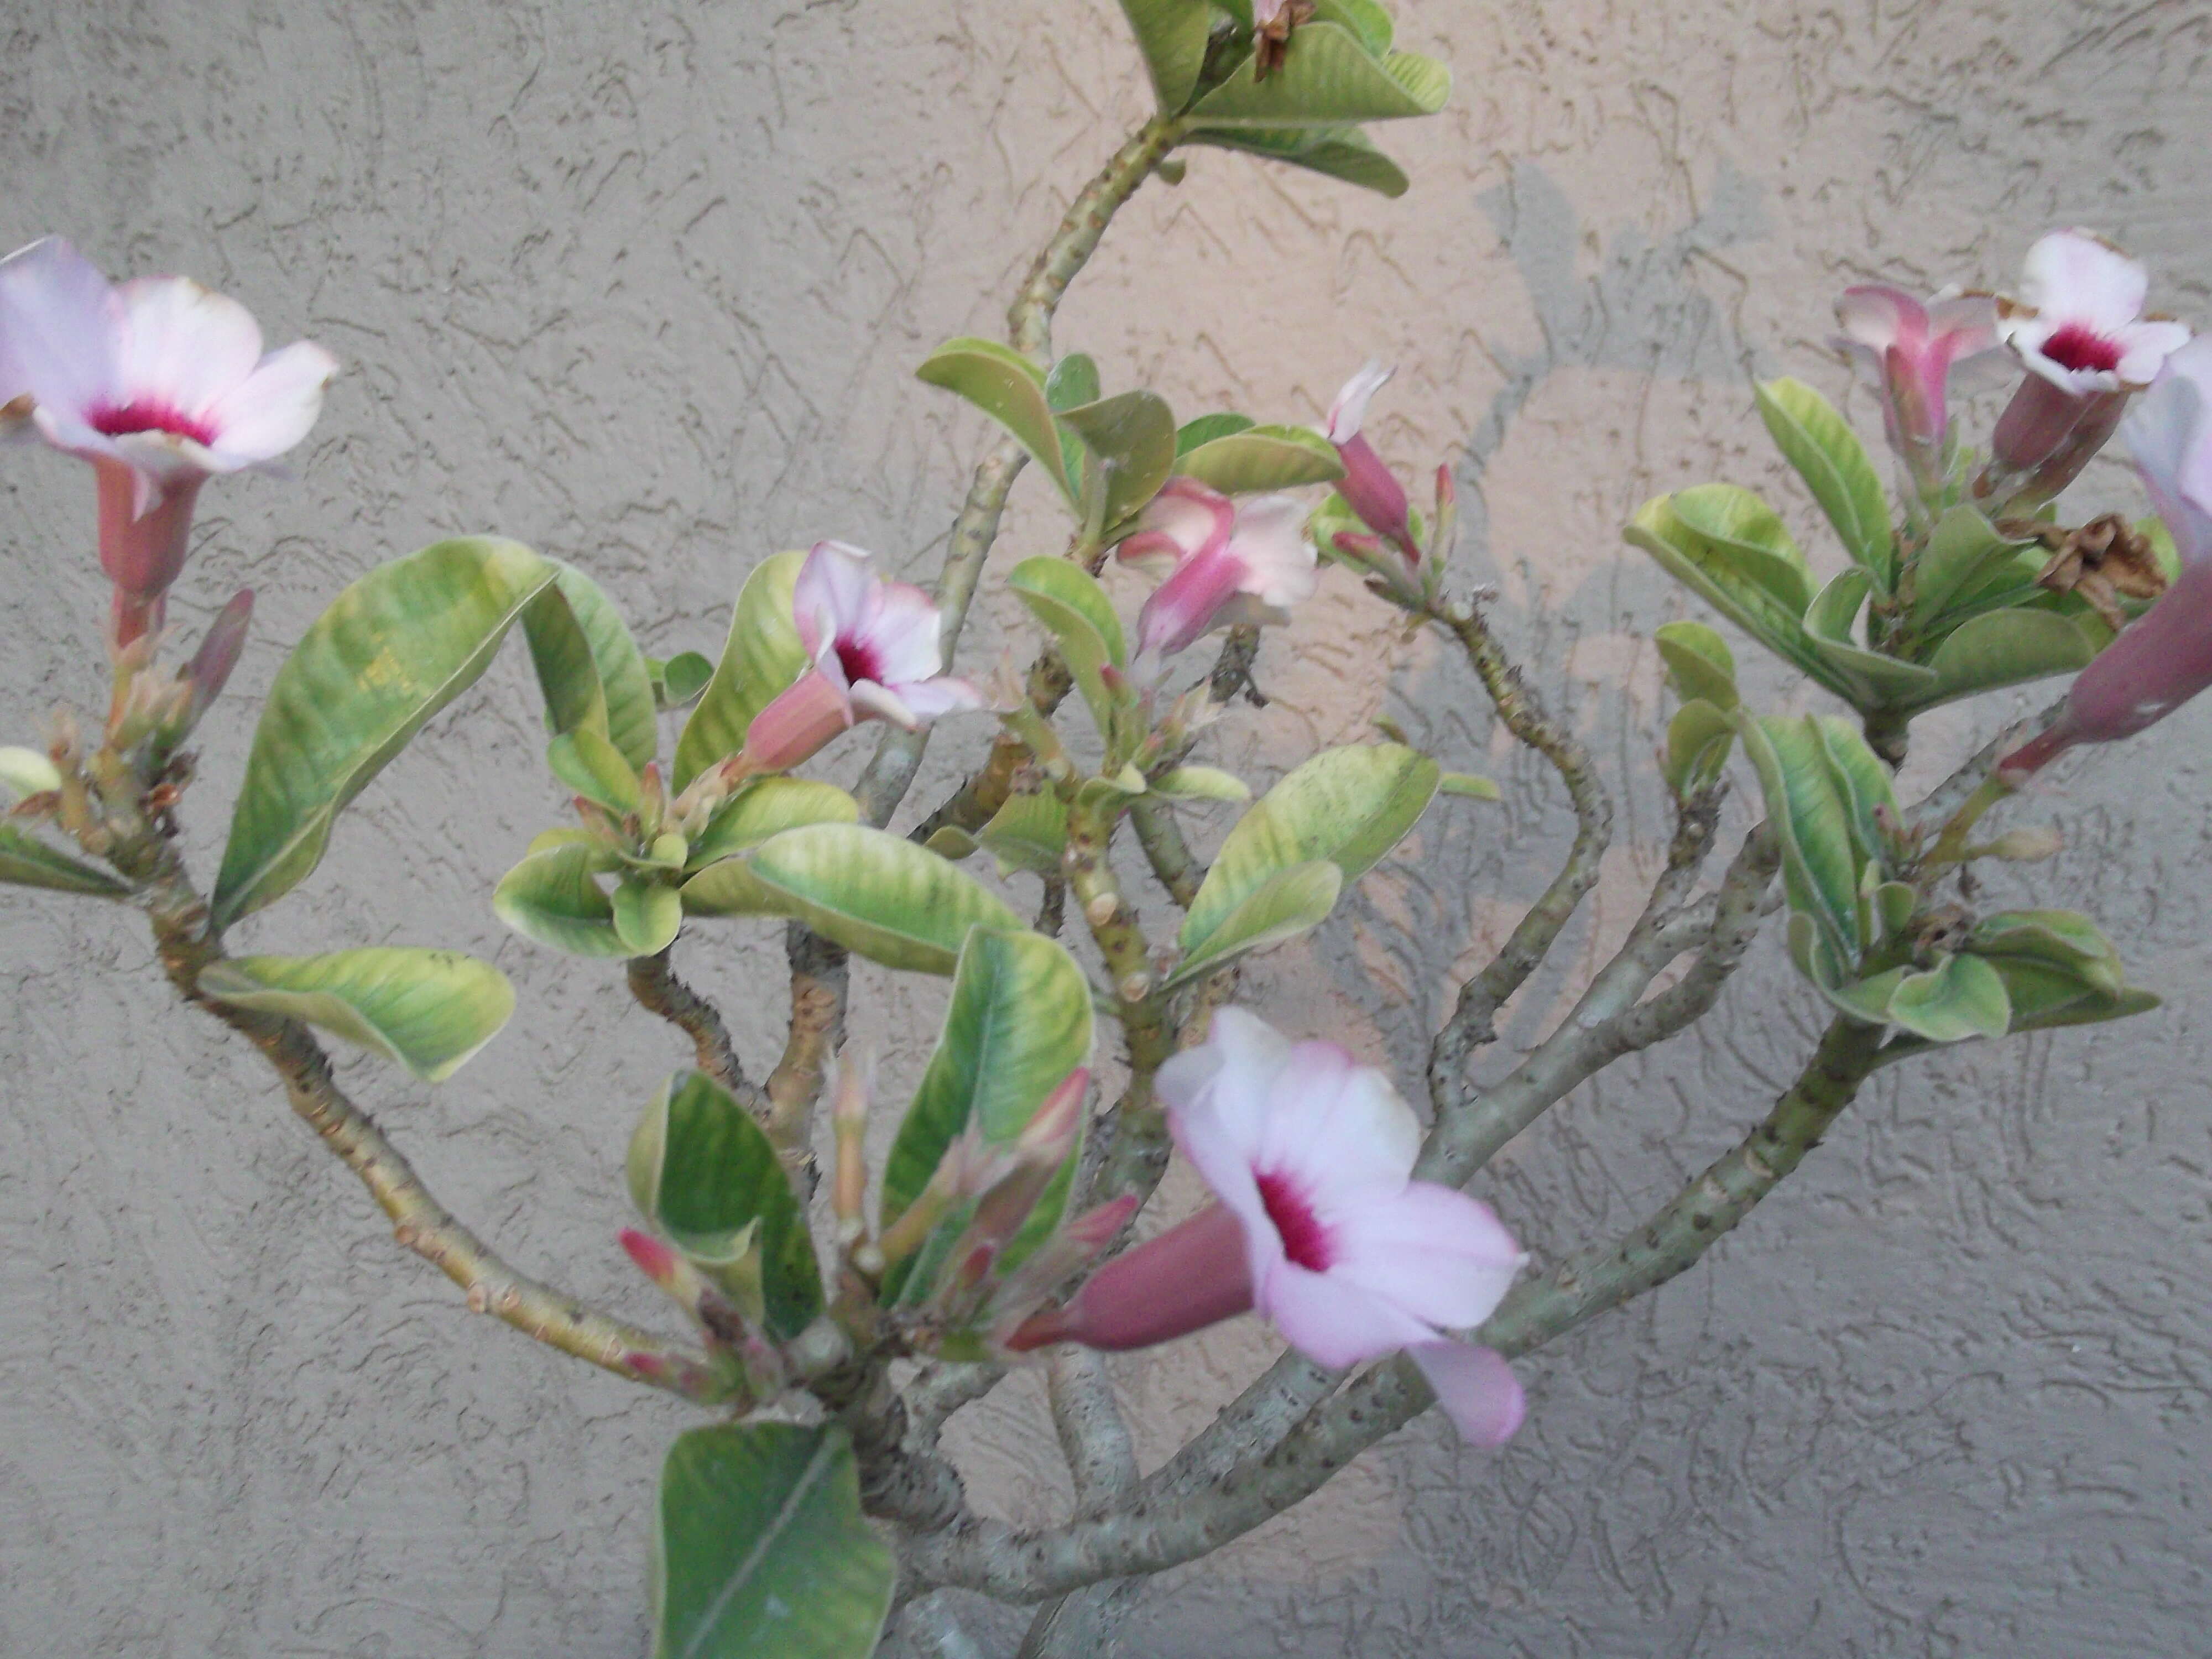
(1189, 1277)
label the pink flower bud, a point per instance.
(209, 670)
(1189, 1277)
(1369, 487)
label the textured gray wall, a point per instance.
(643, 285)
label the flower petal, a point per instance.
(1432, 1251)
(1349, 411)
(2169, 432)
(1878, 316)
(833, 587)
(182, 345)
(1331, 1321)
(1270, 543)
(2080, 277)
(2144, 348)
(59, 323)
(930, 699)
(273, 408)
(1338, 1128)
(1190, 514)
(1476, 1387)
(874, 701)
(901, 635)
(1188, 603)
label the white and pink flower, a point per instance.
(2078, 328)
(1370, 488)
(159, 384)
(2163, 658)
(1909, 349)
(1319, 1227)
(877, 655)
(1223, 562)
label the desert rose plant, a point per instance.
(834, 1314)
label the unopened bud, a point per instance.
(2026, 845)
(1100, 909)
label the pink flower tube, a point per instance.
(1369, 487)
(1225, 562)
(1909, 349)
(159, 384)
(1318, 1226)
(877, 656)
(2163, 660)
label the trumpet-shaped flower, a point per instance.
(1225, 562)
(159, 384)
(2163, 660)
(1369, 487)
(876, 650)
(2078, 328)
(1319, 1226)
(1909, 349)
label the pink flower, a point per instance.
(158, 383)
(877, 656)
(1368, 487)
(2165, 657)
(1319, 1227)
(2079, 329)
(1225, 562)
(1909, 349)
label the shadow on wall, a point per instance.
(1642, 313)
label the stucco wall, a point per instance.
(643, 285)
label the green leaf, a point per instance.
(29, 862)
(2064, 939)
(1172, 36)
(705, 1174)
(1832, 617)
(1742, 589)
(1262, 458)
(1327, 78)
(1964, 997)
(1828, 454)
(765, 807)
(1285, 904)
(1009, 388)
(1018, 1022)
(1348, 805)
(759, 1549)
(1343, 153)
(592, 767)
(1072, 382)
(2005, 648)
(1468, 786)
(681, 679)
(1201, 783)
(1820, 863)
(1366, 19)
(390, 652)
(1862, 783)
(551, 897)
(1130, 439)
(429, 1010)
(1699, 740)
(1698, 663)
(2045, 996)
(1029, 832)
(567, 677)
(647, 916)
(1074, 609)
(879, 895)
(625, 684)
(1750, 535)
(1205, 428)
(1963, 551)
(762, 658)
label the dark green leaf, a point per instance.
(878, 893)
(1327, 78)
(429, 1010)
(1130, 440)
(759, 1549)
(29, 862)
(1009, 388)
(1172, 36)
(762, 658)
(1262, 458)
(552, 896)
(1815, 440)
